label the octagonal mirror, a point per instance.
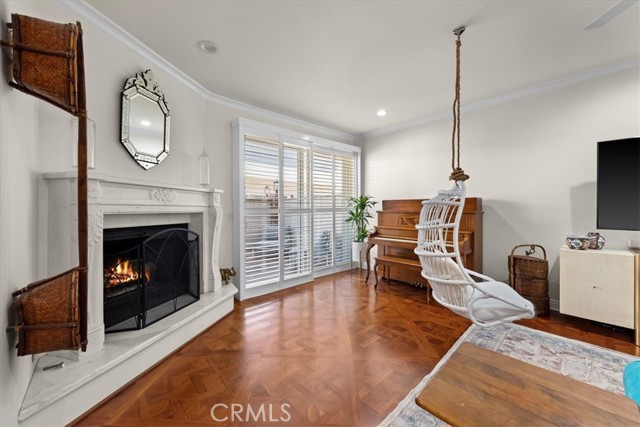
(145, 120)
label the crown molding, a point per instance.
(88, 12)
(569, 80)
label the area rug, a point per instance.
(584, 362)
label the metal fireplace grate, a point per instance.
(150, 273)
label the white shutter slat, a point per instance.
(322, 180)
(261, 173)
(262, 249)
(322, 240)
(343, 238)
(296, 175)
(297, 244)
(344, 179)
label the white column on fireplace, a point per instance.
(120, 202)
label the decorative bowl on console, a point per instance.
(578, 242)
(596, 241)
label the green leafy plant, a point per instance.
(358, 216)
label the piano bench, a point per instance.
(395, 261)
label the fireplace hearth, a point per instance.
(149, 273)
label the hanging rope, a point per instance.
(457, 174)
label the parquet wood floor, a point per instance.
(334, 352)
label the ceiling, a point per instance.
(335, 63)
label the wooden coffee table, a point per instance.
(479, 387)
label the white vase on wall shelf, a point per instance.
(204, 162)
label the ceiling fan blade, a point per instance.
(611, 13)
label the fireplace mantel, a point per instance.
(89, 377)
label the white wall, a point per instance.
(533, 162)
(36, 137)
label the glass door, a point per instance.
(334, 183)
(291, 209)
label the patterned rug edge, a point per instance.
(417, 389)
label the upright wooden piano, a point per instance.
(396, 237)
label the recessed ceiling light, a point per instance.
(207, 46)
(381, 113)
(145, 123)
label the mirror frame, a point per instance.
(144, 84)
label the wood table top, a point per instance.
(479, 387)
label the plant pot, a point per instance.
(358, 251)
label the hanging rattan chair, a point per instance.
(485, 302)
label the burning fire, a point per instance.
(123, 272)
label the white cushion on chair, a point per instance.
(492, 309)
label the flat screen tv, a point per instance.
(618, 184)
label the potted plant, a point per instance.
(358, 215)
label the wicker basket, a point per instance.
(529, 276)
(541, 305)
(47, 315)
(530, 287)
(45, 60)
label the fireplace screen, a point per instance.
(149, 273)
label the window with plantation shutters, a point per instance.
(261, 219)
(344, 189)
(334, 182)
(291, 216)
(296, 210)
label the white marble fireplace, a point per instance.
(119, 202)
(63, 394)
